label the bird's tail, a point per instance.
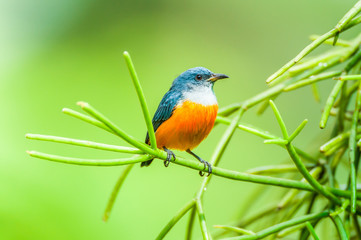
(146, 163)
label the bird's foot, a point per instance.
(206, 164)
(169, 156)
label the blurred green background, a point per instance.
(55, 53)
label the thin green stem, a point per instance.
(277, 141)
(348, 16)
(228, 110)
(305, 233)
(320, 59)
(262, 214)
(298, 130)
(340, 42)
(340, 227)
(264, 134)
(330, 175)
(91, 162)
(280, 226)
(356, 20)
(263, 106)
(141, 97)
(291, 194)
(342, 108)
(312, 230)
(313, 182)
(289, 230)
(315, 92)
(354, 61)
(229, 174)
(249, 202)
(190, 223)
(329, 103)
(202, 220)
(280, 121)
(311, 80)
(175, 219)
(353, 150)
(348, 77)
(335, 148)
(131, 140)
(341, 209)
(248, 128)
(87, 119)
(298, 162)
(276, 169)
(295, 208)
(115, 192)
(335, 141)
(357, 226)
(83, 143)
(235, 229)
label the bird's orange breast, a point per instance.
(189, 124)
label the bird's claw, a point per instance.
(206, 164)
(169, 157)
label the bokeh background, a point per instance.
(55, 53)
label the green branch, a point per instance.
(229, 174)
(142, 101)
(90, 162)
(348, 17)
(340, 42)
(280, 226)
(264, 134)
(329, 103)
(340, 227)
(87, 119)
(202, 220)
(353, 149)
(276, 169)
(346, 22)
(311, 80)
(97, 115)
(175, 219)
(83, 143)
(190, 224)
(235, 229)
(312, 230)
(115, 191)
(298, 162)
(348, 77)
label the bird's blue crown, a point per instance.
(193, 77)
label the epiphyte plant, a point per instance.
(318, 197)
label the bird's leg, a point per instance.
(202, 161)
(169, 156)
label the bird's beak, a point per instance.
(217, 76)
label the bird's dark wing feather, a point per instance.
(165, 110)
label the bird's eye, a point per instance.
(199, 77)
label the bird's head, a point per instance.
(198, 76)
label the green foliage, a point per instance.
(310, 200)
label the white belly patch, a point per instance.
(201, 95)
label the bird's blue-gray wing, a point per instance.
(165, 110)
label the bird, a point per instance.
(186, 114)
